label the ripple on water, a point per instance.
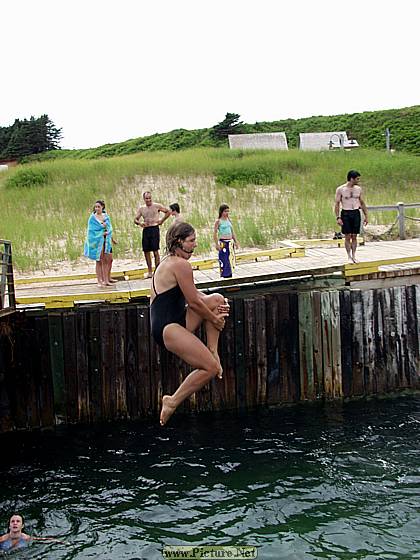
(299, 483)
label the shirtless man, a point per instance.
(349, 196)
(150, 223)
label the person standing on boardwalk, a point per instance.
(177, 309)
(350, 197)
(98, 244)
(225, 241)
(175, 212)
(147, 217)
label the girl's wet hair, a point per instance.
(222, 208)
(102, 203)
(175, 207)
(176, 234)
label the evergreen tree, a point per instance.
(25, 137)
(230, 125)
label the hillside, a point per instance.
(273, 196)
(367, 128)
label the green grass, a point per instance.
(293, 196)
(367, 128)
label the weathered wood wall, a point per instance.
(98, 363)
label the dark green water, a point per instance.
(339, 482)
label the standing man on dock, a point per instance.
(150, 223)
(349, 196)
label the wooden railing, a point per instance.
(400, 207)
(7, 287)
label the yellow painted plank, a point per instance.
(359, 271)
(63, 299)
(381, 262)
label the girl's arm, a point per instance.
(235, 240)
(215, 234)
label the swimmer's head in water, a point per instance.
(16, 523)
(176, 236)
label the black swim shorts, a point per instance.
(351, 221)
(150, 239)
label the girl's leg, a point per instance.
(189, 348)
(108, 265)
(193, 321)
(100, 270)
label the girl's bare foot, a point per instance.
(112, 281)
(167, 409)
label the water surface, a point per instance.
(313, 482)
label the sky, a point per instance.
(106, 71)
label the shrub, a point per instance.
(28, 178)
(243, 177)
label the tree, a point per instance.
(230, 125)
(29, 137)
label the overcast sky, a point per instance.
(106, 70)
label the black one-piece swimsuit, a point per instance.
(167, 307)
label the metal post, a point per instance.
(401, 220)
(388, 139)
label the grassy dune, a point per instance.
(44, 207)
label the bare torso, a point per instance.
(349, 197)
(150, 214)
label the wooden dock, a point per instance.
(300, 329)
(387, 258)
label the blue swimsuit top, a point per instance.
(8, 545)
(225, 228)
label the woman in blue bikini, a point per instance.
(177, 309)
(226, 242)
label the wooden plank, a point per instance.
(389, 340)
(317, 345)
(293, 345)
(6, 378)
(273, 350)
(357, 342)
(107, 346)
(399, 335)
(412, 344)
(82, 366)
(337, 383)
(57, 365)
(346, 342)
(240, 369)
(70, 366)
(95, 365)
(379, 344)
(261, 347)
(250, 352)
(307, 385)
(369, 365)
(327, 344)
(45, 385)
(119, 334)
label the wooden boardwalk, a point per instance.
(391, 257)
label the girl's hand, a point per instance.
(224, 308)
(114, 241)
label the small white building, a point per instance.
(316, 141)
(259, 141)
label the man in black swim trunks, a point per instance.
(147, 217)
(349, 196)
